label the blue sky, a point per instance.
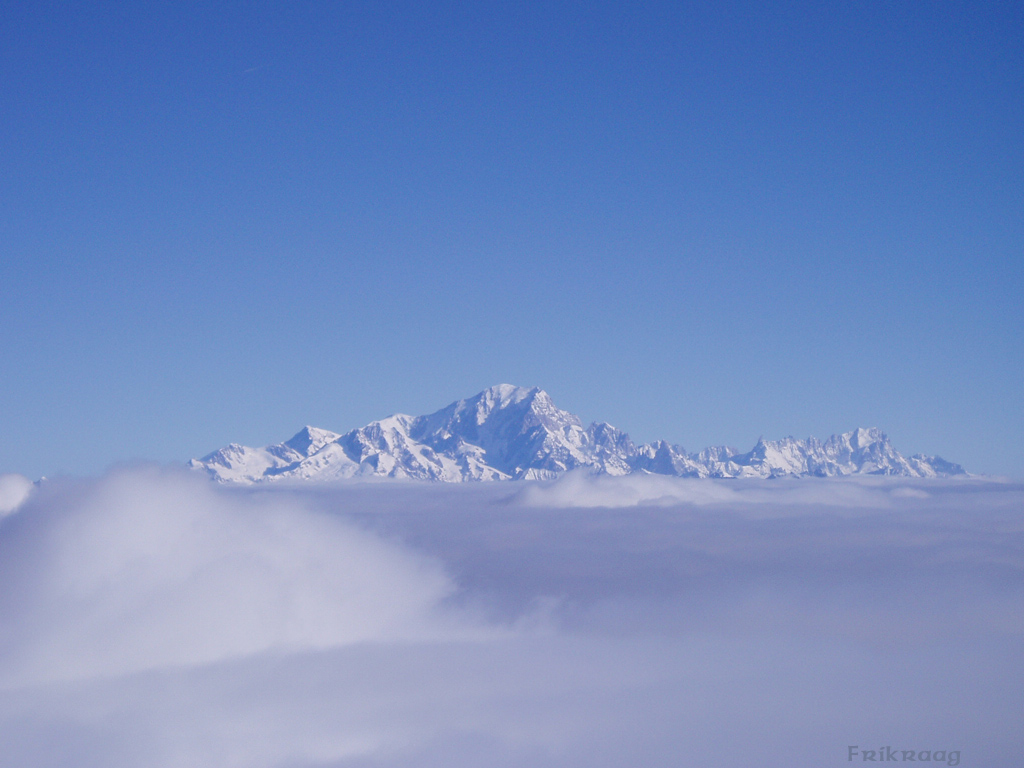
(699, 222)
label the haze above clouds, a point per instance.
(150, 618)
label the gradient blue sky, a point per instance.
(702, 222)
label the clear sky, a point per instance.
(702, 222)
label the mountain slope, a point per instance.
(514, 433)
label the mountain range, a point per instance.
(514, 433)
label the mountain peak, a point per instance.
(862, 438)
(504, 396)
(511, 432)
(309, 440)
(508, 393)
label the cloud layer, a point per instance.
(149, 569)
(151, 619)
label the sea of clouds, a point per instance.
(152, 618)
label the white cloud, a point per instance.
(150, 568)
(14, 489)
(580, 489)
(150, 619)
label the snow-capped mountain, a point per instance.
(514, 433)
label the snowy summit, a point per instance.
(513, 433)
